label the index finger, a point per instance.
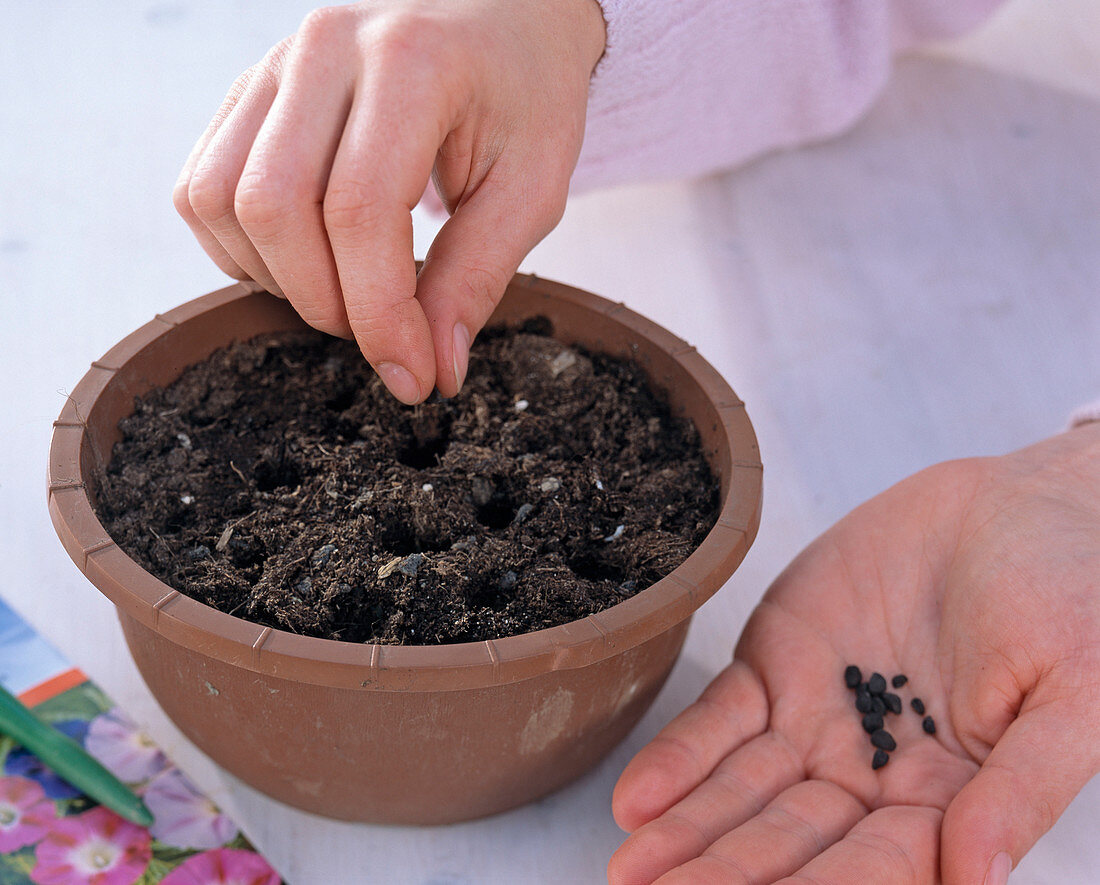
(382, 165)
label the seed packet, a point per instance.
(51, 834)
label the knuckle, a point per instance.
(324, 24)
(350, 205)
(414, 41)
(210, 194)
(482, 288)
(259, 203)
(180, 199)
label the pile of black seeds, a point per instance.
(875, 702)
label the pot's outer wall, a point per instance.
(402, 734)
(404, 757)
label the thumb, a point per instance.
(1043, 759)
(472, 260)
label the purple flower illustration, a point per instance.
(124, 751)
(24, 763)
(25, 813)
(185, 818)
(96, 847)
(223, 866)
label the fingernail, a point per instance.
(999, 869)
(461, 353)
(400, 382)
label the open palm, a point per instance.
(977, 579)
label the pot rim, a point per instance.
(468, 665)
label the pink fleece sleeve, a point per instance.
(1086, 414)
(686, 87)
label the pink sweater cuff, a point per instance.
(1085, 414)
(687, 87)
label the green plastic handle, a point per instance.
(69, 760)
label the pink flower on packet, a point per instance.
(25, 813)
(224, 866)
(122, 749)
(96, 847)
(185, 818)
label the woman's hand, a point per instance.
(979, 580)
(305, 178)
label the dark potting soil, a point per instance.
(278, 481)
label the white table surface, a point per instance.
(925, 287)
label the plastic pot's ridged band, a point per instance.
(151, 357)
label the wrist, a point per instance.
(592, 29)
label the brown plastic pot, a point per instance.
(401, 734)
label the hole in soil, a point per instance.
(400, 535)
(341, 400)
(424, 455)
(537, 325)
(594, 568)
(178, 520)
(270, 476)
(496, 514)
(247, 553)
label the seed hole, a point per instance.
(423, 456)
(496, 514)
(594, 568)
(273, 475)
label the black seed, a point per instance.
(880, 758)
(872, 722)
(893, 702)
(899, 680)
(876, 684)
(883, 740)
(878, 705)
(928, 725)
(918, 706)
(852, 676)
(863, 702)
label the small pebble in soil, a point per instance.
(892, 702)
(852, 676)
(876, 684)
(427, 487)
(884, 740)
(187, 499)
(322, 555)
(880, 758)
(411, 564)
(550, 484)
(562, 361)
(522, 405)
(522, 513)
(918, 706)
(507, 581)
(928, 724)
(899, 680)
(184, 440)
